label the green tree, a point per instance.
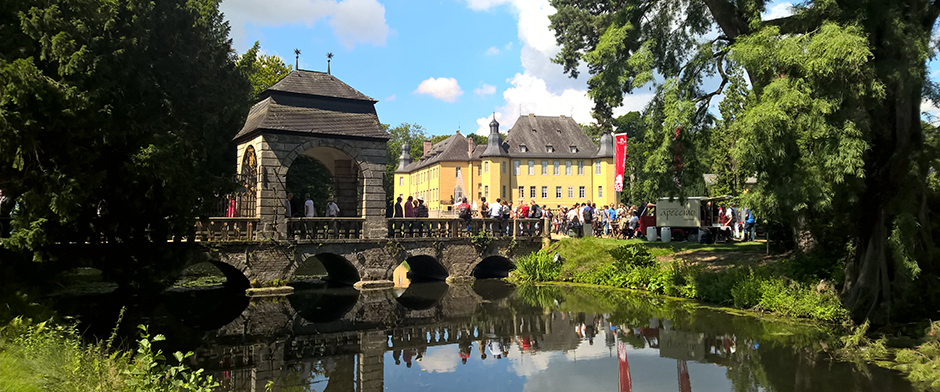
(833, 134)
(412, 134)
(121, 107)
(262, 70)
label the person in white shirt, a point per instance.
(332, 210)
(309, 211)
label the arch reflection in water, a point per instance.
(324, 304)
(421, 295)
(206, 308)
(493, 289)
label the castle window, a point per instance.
(573, 148)
(522, 148)
(549, 148)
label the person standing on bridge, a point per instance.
(421, 211)
(332, 210)
(399, 212)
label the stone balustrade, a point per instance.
(228, 229)
(456, 228)
(324, 228)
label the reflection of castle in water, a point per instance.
(338, 339)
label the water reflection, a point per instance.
(492, 337)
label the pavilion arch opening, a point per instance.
(324, 173)
(497, 267)
(325, 268)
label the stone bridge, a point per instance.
(370, 263)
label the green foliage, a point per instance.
(536, 267)
(922, 363)
(635, 255)
(481, 240)
(414, 135)
(262, 70)
(131, 103)
(829, 125)
(49, 357)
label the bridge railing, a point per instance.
(227, 229)
(456, 228)
(324, 228)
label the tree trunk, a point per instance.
(867, 291)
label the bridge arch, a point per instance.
(424, 268)
(330, 267)
(493, 267)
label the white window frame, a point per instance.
(581, 192)
(571, 192)
(558, 192)
(600, 191)
(544, 168)
(516, 170)
(580, 168)
(597, 168)
(544, 192)
(531, 167)
(567, 168)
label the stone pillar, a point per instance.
(372, 158)
(370, 375)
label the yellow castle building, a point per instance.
(544, 158)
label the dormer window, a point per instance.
(522, 148)
(549, 149)
(573, 148)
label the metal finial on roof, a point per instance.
(296, 59)
(329, 56)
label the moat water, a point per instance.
(489, 336)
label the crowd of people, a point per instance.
(583, 219)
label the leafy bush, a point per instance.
(635, 255)
(536, 267)
(45, 356)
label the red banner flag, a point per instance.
(620, 160)
(626, 385)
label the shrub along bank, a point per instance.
(635, 266)
(793, 287)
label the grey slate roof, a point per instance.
(454, 148)
(560, 132)
(315, 83)
(317, 103)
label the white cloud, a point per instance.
(353, 21)
(543, 88)
(390, 98)
(440, 360)
(492, 51)
(929, 111)
(508, 46)
(445, 89)
(485, 90)
(779, 10)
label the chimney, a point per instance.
(470, 147)
(427, 146)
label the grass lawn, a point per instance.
(583, 253)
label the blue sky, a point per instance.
(443, 64)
